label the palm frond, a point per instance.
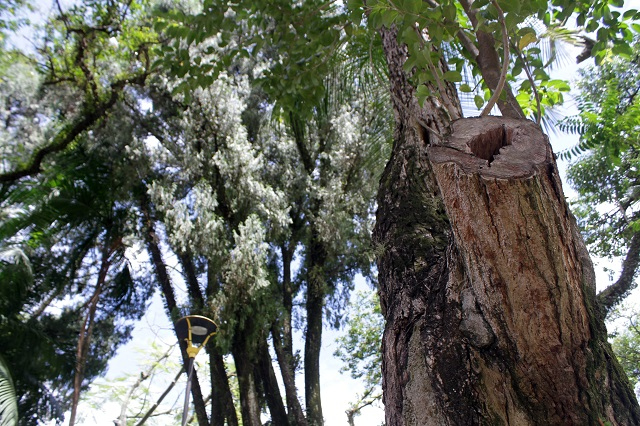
(8, 398)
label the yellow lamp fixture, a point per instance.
(193, 329)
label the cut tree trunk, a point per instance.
(536, 347)
(485, 283)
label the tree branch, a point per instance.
(122, 419)
(164, 394)
(505, 62)
(88, 116)
(532, 81)
(615, 293)
(489, 64)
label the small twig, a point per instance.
(533, 84)
(505, 62)
(63, 16)
(426, 127)
(453, 112)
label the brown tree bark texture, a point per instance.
(528, 287)
(485, 284)
(513, 336)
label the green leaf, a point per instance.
(8, 399)
(413, 6)
(517, 69)
(465, 88)
(453, 76)
(559, 85)
(450, 12)
(512, 21)
(511, 6)
(422, 93)
(479, 101)
(527, 39)
(623, 50)
(389, 17)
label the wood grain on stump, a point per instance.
(521, 256)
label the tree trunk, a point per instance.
(86, 330)
(485, 283)
(283, 345)
(243, 356)
(270, 386)
(222, 406)
(221, 398)
(151, 240)
(313, 340)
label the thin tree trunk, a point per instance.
(222, 398)
(222, 402)
(84, 339)
(162, 275)
(313, 340)
(195, 293)
(270, 386)
(283, 345)
(485, 283)
(316, 291)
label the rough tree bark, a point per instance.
(485, 282)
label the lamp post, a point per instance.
(193, 329)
